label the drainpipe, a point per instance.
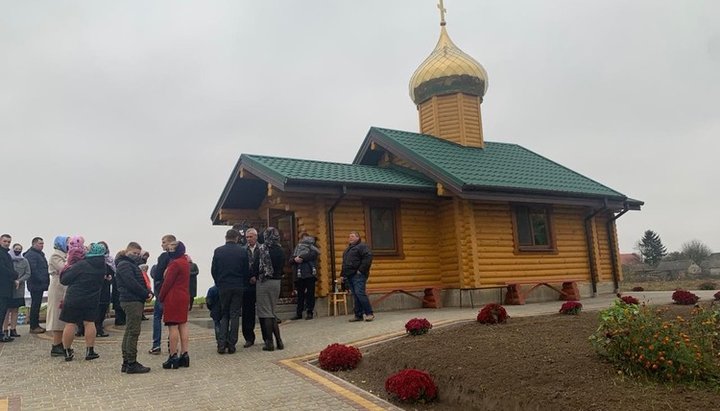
(613, 248)
(591, 255)
(331, 234)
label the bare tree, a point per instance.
(695, 250)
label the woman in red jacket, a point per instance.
(175, 298)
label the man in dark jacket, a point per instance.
(157, 272)
(230, 268)
(7, 280)
(133, 294)
(357, 259)
(249, 297)
(38, 283)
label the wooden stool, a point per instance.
(334, 299)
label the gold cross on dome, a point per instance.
(442, 12)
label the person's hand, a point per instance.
(298, 260)
(253, 280)
(17, 284)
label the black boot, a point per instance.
(13, 333)
(184, 360)
(69, 354)
(90, 353)
(57, 350)
(172, 363)
(266, 330)
(124, 366)
(276, 332)
(137, 368)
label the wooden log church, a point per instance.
(440, 208)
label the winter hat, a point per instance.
(61, 243)
(96, 250)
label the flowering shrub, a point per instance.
(717, 295)
(639, 341)
(418, 326)
(337, 357)
(492, 314)
(638, 288)
(571, 308)
(411, 385)
(683, 297)
(629, 299)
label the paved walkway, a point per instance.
(248, 380)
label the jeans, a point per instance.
(157, 323)
(35, 302)
(230, 307)
(356, 284)
(248, 314)
(133, 315)
(305, 295)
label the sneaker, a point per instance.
(369, 317)
(37, 330)
(124, 366)
(57, 351)
(155, 351)
(102, 334)
(137, 368)
(355, 319)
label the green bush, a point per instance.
(639, 341)
(709, 285)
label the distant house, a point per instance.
(441, 207)
(630, 259)
(711, 265)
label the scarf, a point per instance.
(271, 236)
(61, 243)
(15, 257)
(178, 252)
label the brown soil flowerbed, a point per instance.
(530, 363)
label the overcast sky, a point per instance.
(123, 120)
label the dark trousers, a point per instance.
(133, 315)
(305, 295)
(100, 320)
(35, 302)
(248, 314)
(230, 307)
(362, 303)
(3, 306)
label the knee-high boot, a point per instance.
(266, 330)
(276, 332)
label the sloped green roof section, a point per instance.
(497, 166)
(291, 170)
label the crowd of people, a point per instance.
(82, 280)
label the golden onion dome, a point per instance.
(447, 70)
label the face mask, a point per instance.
(17, 252)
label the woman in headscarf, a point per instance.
(22, 268)
(272, 260)
(84, 280)
(56, 294)
(175, 299)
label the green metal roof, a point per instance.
(497, 166)
(291, 170)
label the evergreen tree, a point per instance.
(651, 248)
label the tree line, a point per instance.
(653, 251)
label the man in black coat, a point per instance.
(7, 280)
(249, 297)
(38, 283)
(157, 273)
(357, 259)
(230, 267)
